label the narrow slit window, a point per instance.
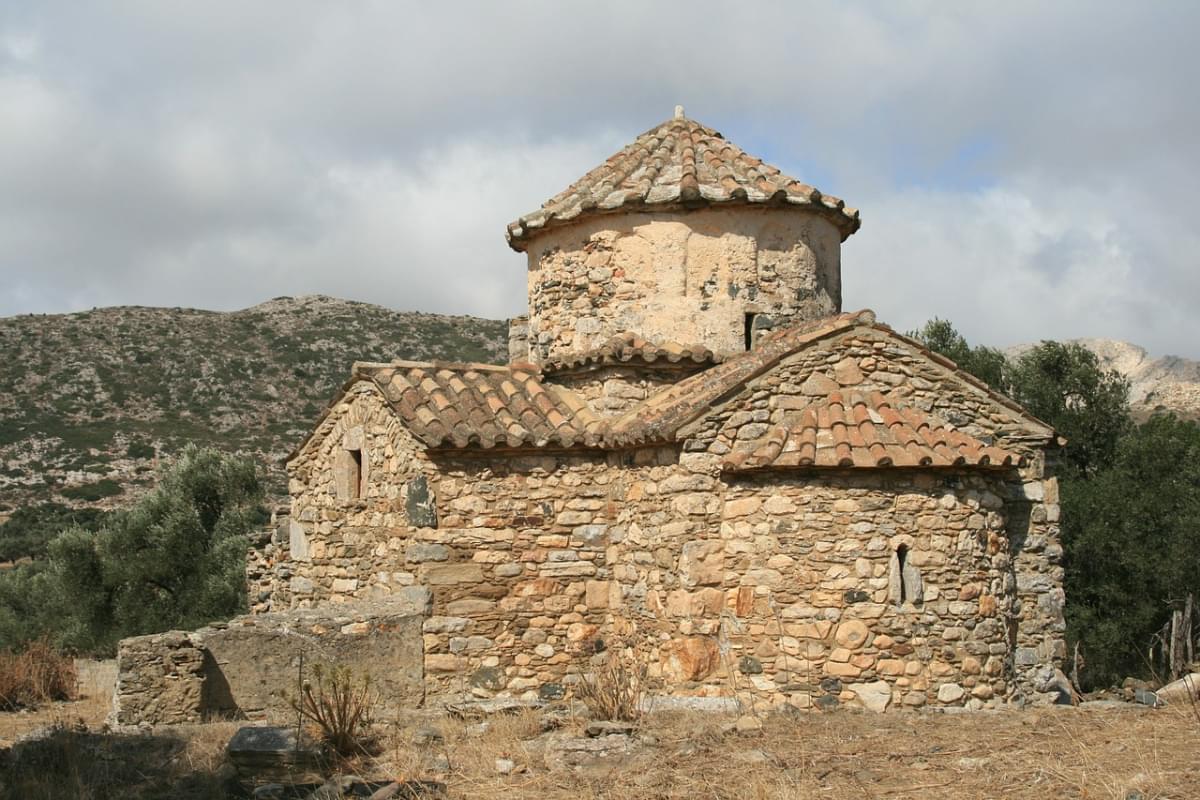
(356, 473)
(905, 586)
(748, 330)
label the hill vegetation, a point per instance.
(174, 559)
(90, 401)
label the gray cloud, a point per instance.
(1023, 170)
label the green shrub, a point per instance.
(28, 532)
(174, 560)
(140, 450)
(92, 492)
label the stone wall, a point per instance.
(611, 390)
(863, 361)
(332, 542)
(689, 278)
(243, 669)
(770, 588)
(879, 588)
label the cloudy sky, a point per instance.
(1027, 170)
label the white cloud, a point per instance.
(1024, 170)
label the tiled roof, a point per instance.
(630, 348)
(678, 164)
(483, 406)
(662, 415)
(864, 430)
(476, 405)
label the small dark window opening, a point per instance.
(748, 330)
(901, 555)
(356, 472)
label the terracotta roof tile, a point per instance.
(867, 430)
(678, 164)
(474, 405)
(626, 348)
(478, 405)
(661, 416)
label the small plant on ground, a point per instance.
(614, 689)
(339, 703)
(38, 674)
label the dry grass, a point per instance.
(1052, 753)
(93, 701)
(1045, 753)
(39, 674)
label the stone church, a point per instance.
(696, 457)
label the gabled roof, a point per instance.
(864, 430)
(678, 164)
(661, 416)
(451, 405)
(665, 416)
(629, 348)
(460, 406)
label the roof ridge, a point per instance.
(626, 347)
(691, 397)
(678, 163)
(361, 366)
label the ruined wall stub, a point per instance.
(686, 277)
(246, 668)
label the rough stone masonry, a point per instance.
(693, 458)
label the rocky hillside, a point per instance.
(1167, 383)
(88, 401)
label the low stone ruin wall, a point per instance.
(243, 668)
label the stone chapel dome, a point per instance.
(680, 237)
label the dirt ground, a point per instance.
(1127, 753)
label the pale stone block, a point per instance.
(443, 662)
(298, 549)
(950, 693)
(596, 594)
(442, 575)
(874, 696)
(702, 563)
(741, 507)
(842, 669)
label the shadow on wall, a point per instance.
(216, 695)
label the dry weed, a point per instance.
(339, 704)
(615, 689)
(37, 675)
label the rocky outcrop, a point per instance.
(1156, 383)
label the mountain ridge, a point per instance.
(90, 400)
